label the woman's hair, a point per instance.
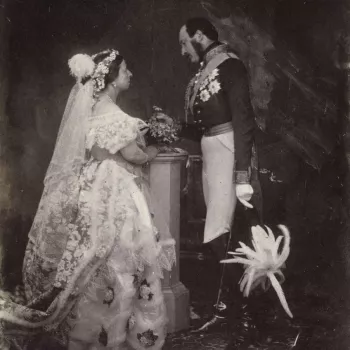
(204, 25)
(113, 67)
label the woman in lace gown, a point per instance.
(94, 259)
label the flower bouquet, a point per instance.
(163, 131)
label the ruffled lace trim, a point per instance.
(113, 131)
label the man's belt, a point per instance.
(218, 129)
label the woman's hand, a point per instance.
(152, 152)
(134, 154)
(144, 130)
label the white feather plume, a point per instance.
(81, 66)
(263, 262)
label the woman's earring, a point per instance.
(114, 85)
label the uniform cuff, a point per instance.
(242, 176)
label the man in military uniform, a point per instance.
(220, 115)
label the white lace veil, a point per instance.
(69, 150)
(58, 204)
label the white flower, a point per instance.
(68, 256)
(213, 74)
(109, 296)
(214, 87)
(204, 95)
(145, 291)
(79, 252)
(101, 251)
(263, 263)
(73, 240)
(81, 66)
(162, 127)
(157, 109)
(132, 321)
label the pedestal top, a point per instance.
(170, 157)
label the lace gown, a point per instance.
(109, 268)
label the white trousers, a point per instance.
(218, 184)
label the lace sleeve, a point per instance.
(113, 131)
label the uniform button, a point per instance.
(199, 121)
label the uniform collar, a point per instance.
(213, 50)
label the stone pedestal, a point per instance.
(165, 176)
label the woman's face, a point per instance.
(123, 80)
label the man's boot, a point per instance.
(244, 329)
(218, 320)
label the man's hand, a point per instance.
(165, 119)
(244, 194)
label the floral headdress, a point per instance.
(102, 69)
(83, 66)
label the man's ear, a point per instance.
(199, 36)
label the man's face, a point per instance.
(189, 47)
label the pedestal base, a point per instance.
(165, 181)
(177, 301)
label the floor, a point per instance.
(319, 308)
(321, 314)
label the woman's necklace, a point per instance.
(107, 97)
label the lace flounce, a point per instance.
(113, 131)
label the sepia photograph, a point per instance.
(174, 174)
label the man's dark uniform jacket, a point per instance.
(230, 104)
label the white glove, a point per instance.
(244, 194)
